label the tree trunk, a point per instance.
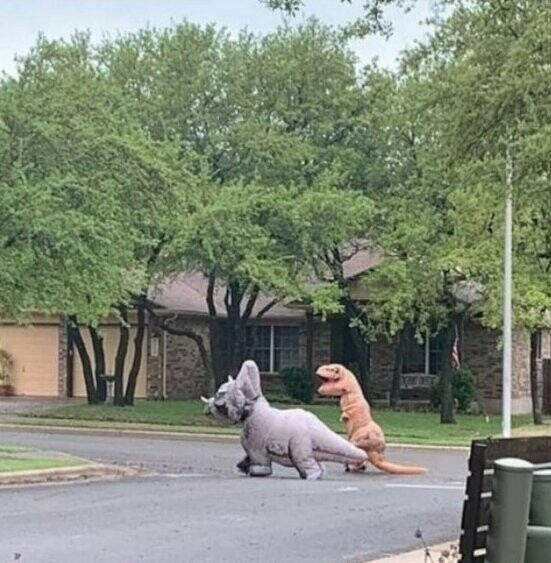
(124, 335)
(235, 326)
(76, 336)
(99, 361)
(310, 342)
(138, 349)
(447, 411)
(352, 311)
(218, 350)
(396, 389)
(534, 386)
(361, 356)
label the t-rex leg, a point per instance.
(356, 467)
(368, 444)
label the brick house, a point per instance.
(286, 336)
(45, 362)
(290, 336)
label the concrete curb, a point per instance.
(136, 433)
(175, 435)
(417, 556)
(62, 474)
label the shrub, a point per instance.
(281, 399)
(6, 364)
(298, 384)
(464, 389)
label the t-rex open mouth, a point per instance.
(330, 375)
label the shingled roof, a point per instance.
(186, 292)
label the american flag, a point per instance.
(456, 360)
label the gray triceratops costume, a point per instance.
(293, 438)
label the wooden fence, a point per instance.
(476, 508)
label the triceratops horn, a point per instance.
(206, 401)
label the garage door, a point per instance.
(35, 358)
(111, 342)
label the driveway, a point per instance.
(193, 507)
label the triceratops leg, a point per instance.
(260, 464)
(244, 465)
(302, 458)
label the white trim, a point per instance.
(429, 487)
(272, 348)
(163, 368)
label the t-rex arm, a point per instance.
(362, 430)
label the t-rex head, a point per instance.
(337, 380)
(235, 399)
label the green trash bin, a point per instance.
(540, 506)
(509, 509)
(538, 542)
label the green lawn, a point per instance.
(13, 464)
(15, 458)
(402, 427)
(11, 449)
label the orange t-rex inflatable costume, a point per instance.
(362, 430)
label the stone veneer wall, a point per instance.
(481, 353)
(321, 352)
(62, 352)
(381, 365)
(154, 387)
(185, 375)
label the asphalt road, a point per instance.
(192, 507)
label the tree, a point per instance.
(481, 87)
(333, 226)
(75, 149)
(371, 21)
(492, 56)
(255, 116)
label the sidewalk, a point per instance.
(417, 556)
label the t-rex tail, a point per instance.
(379, 461)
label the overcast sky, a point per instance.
(22, 20)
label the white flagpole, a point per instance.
(507, 297)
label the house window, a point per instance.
(420, 358)
(273, 348)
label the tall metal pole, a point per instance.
(507, 296)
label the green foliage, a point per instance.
(282, 399)
(6, 364)
(371, 20)
(490, 95)
(464, 389)
(262, 122)
(298, 384)
(82, 186)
